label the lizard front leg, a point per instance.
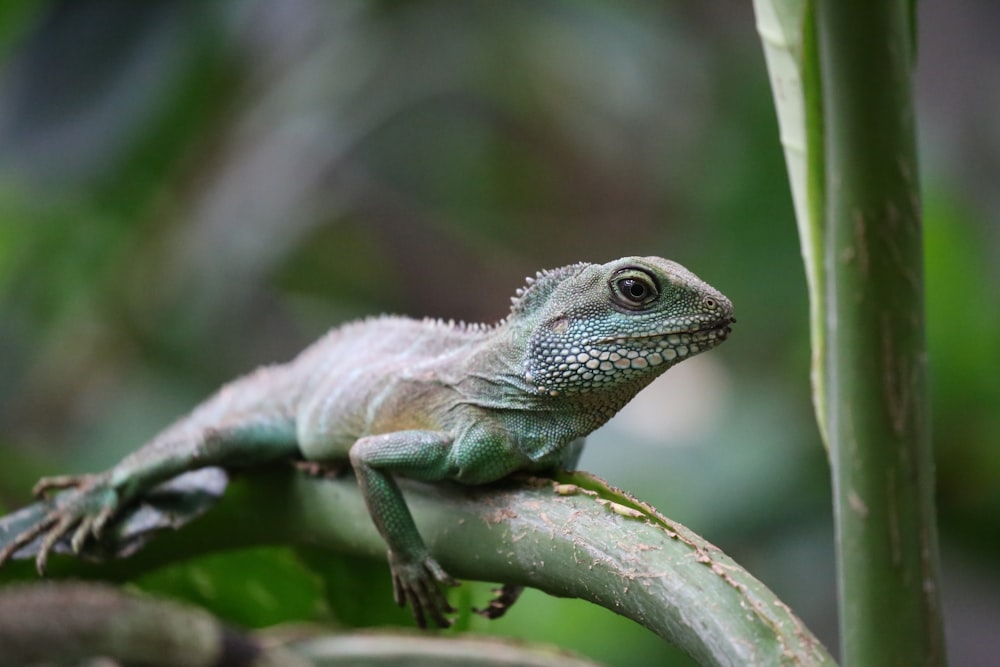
(481, 456)
(417, 578)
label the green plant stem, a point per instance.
(875, 365)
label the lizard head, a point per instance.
(610, 329)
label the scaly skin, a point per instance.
(428, 400)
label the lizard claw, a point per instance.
(84, 510)
(25, 538)
(505, 598)
(82, 532)
(419, 585)
(46, 484)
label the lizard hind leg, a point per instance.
(83, 508)
(88, 503)
(505, 598)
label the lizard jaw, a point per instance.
(715, 331)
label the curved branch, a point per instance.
(79, 623)
(75, 623)
(566, 539)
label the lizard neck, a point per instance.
(502, 374)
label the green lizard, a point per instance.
(427, 400)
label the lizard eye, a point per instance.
(633, 288)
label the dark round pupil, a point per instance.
(633, 288)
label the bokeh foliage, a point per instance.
(188, 190)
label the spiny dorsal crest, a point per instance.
(456, 325)
(537, 289)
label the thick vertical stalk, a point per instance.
(875, 367)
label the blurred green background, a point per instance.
(190, 189)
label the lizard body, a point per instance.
(428, 400)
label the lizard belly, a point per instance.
(330, 420)
(330, 423)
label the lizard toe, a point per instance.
(26, 537)
(505, 598)
(81, 534)
(63, 524)
(47, 484)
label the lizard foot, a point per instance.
(323, 470)
(85, 509)
(505, 598)
(419, 584)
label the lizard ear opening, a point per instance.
(633, 288)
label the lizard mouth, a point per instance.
(712, 334)
(719, 330)
(654, 348)
(599, 359)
